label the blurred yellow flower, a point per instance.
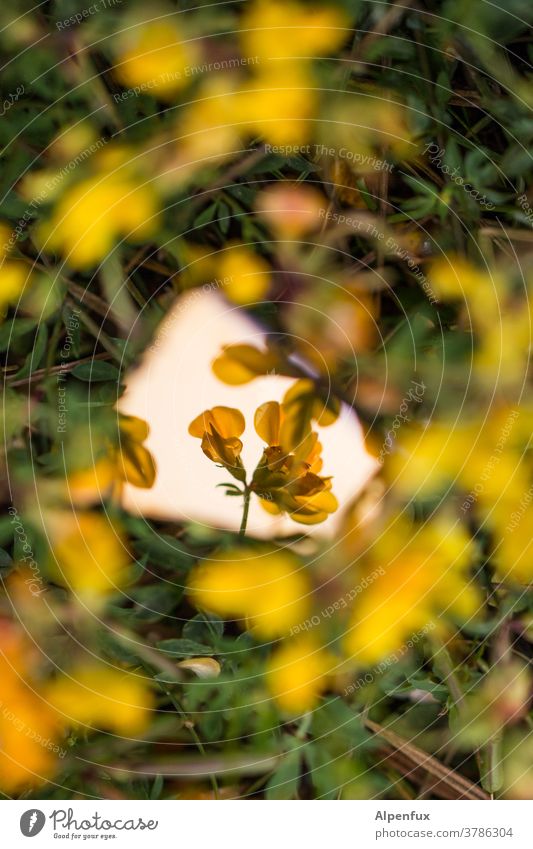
(239, 364)
(456, 278)
(88, 554)
(14, 273)
(269, 590)
(128, 461)
(219, 430)
(297, 673)
(279, 106)
(241, 274)
(500, 319)
(214, 125)
(29, 727)
(95, 695)
(73, 140)
(503, 347)
(245, 275)
(273, 30)
(156, 57)
(480, 457)
(93, 214)
(513, 545)
(425, 586)
(430, 456)
(135, 463)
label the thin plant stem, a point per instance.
(246, 508)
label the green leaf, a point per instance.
(157, 787)
(164, 550)
(151, 603)
(13, 329)
(224, 217)
(97, 370)
(206, 215)
(6, 562)
(35, 356)
(185, 648)
(284, 782)
(203, 627)
(168, 677)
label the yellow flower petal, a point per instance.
(203, 667)
(156, 58)
(298, 673)
(270, 590)
(227, 421)
(239, 364)
(246, 275)
(102, 697)
(267, 421)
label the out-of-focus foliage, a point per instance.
(359, 176)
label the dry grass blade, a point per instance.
(411, 761)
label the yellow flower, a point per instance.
(96, 212)
(279, 104)
(89, 485)
(128, 461)
(501, 321)
(245, 275)
(484, 460)
(424, 585)
(513, 544)
(456, 278)
(72, 140)
(287, 477)
(268, 590)
(98, 696)
(276, 30)
(300, 406)
(14, 274)
(134, 462)
(479, 457)
(430, 456)
(297, 674)
(156, 58)
(215, 124)
(239, 364)
(219, 430)
(503, 347)
(89, 554)
(29, 728)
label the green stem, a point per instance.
(246, 509)
(490, 763)
(192, 730)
